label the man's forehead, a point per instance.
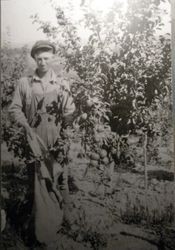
(44, 54)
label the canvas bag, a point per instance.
(47, 201)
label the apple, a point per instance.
(84, 116)
(105, 161)
(89, 103)
(103, 153)
(94, 156)
(93, 163)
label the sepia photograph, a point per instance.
(87, 125)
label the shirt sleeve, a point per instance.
(68, 108)
(18, 103)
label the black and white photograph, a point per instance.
(87, 125)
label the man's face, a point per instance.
(43, 59)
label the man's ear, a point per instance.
(34, 57)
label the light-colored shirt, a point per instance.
(43, 104)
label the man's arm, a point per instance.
(17, 105)
(68, 109)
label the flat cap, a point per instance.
(42, 44)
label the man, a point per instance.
(44, 107)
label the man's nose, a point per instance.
(43, 62)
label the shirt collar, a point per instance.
(51, 76)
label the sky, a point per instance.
(16, 21)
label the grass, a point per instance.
(137, 212)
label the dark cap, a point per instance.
(42, 44)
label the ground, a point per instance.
(125, 217)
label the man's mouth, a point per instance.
(43, 67)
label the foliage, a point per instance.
(15, 183)
(120, 87)
(124, 68)
(13, 65)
